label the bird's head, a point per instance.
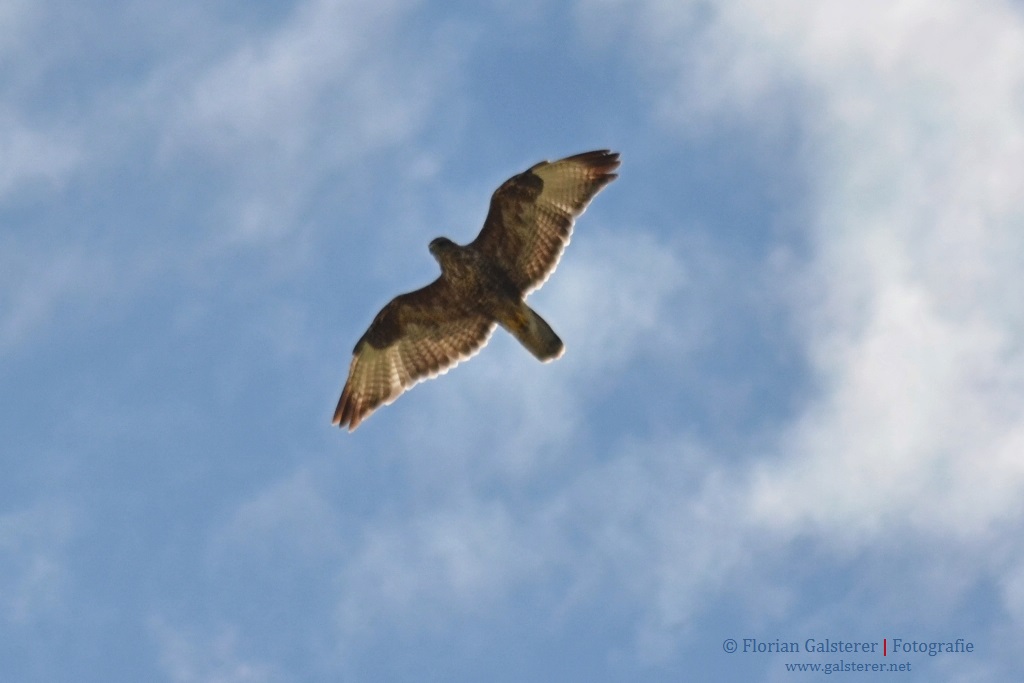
(439, 246)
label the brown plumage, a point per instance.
(423, 333)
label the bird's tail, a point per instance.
(534, 333)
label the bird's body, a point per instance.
(494, 295)
(482, 284)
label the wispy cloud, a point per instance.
(292, 513)
(37, 289)
(33, 572)
(425, 571)
(322, 68)
(187, 657)
(306, 99)
(34, 154)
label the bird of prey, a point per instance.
(421, 334)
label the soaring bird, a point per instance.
(423, 333)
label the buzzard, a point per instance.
(482, 284)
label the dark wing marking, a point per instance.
(532, 214)
(417, 336)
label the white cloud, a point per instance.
(291, 514)
(325, 64)
(422, 572)
(648, 532)
(305, 101)
(32, 154)
(33, 577)
(36, 288)
(187, 657)
(15, 17)
(614, 297)
(913, 142)
(271, 111)
(659, 538)
(916, 339)
(913, 139)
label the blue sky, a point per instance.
(791, 405)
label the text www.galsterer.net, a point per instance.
(842, 666)
(831, 647)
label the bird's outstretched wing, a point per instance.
(417, 336)
(532, 214)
